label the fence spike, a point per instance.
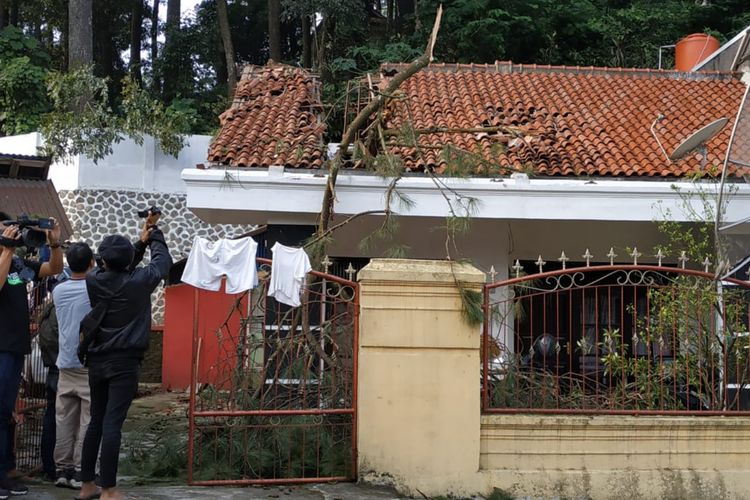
(564, 259)
(540, 262)
(659, 256)
(350, 271)
(326, 264)
(587, 256)
(706, 263)
(635, 254)
(611, 256)
(683, 259)
(517, 268)
(493, 273)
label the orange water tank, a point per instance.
(693, 49)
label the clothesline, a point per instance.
(210, 261)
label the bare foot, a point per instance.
(88, 489)
(111, 494)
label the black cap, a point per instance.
(117, 252)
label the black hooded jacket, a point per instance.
(126, 327)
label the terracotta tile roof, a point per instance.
(575, 121)
(274, 120)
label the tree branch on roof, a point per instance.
(360, 121)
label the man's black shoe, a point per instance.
(4, 494)
(14, 487)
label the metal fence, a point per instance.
(616, 339)
(273, 392)
(32, 401)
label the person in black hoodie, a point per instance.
(114, 358)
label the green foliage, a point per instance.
(472, 305)
(14, 43)
(142, 114)
(81, 120)
(499, 494)
(23, 97)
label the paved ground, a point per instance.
(341, 491)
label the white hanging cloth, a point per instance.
(288, 270)
(209, 261)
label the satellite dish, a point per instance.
(699, 138)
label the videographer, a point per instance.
(114, 358)
(15, 331)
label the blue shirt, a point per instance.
(71, 305)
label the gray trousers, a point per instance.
(72, 416)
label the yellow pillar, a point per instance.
(419, 377)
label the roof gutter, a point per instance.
(254, 196)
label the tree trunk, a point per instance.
(226, 40)
(14, 13)
(65, 40)
(306, 42)
(136, 32)
(390, 15)
(156, 81)
(3, 13)
(170, 58)
(274, 29)
(80, 34)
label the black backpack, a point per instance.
(49, 335)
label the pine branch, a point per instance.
(360, 121)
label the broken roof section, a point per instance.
(275, 119)
(568, 121)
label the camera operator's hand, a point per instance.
(53, 235)
(12, 233)
(153, 218)
(148, 226)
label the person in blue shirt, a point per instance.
(72, 405)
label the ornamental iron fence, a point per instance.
(633, 339)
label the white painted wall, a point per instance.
(131, 167)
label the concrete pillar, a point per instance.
(419, 378)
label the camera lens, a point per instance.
(33, 238)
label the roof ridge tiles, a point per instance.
(511, 67)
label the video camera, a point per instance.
(31, 236)
(153, 209)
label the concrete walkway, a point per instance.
(340, 491)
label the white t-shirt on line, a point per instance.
(288, 270)
(209, 261)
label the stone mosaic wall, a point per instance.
(95, 214)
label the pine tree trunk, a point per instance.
(226, 40)
(64, 41)
(156, 81)
(80, 34)
(306, 42)
(14, 21)
(274, 30)
(171, 63)
(136, 32)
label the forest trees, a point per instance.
(185, 55)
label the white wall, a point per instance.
(130, 167)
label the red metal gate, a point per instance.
(273, 388)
